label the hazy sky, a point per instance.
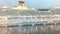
(32, 3)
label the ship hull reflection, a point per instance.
(42, 29)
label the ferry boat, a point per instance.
(27, 16)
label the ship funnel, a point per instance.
(21, 3)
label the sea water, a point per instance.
(41, 29)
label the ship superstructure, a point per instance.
(28, 16)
